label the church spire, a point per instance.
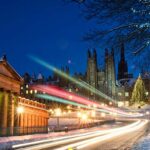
(122, 52)
(122, 65)
(112, 51)
(94, 54)
(106, 52)
(89, 53)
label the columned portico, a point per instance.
(18, 115)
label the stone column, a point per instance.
(40, 124)
(1, 106)
(36, 123)
(31, 123)
(21, 123)
(4, 113)
(25, 123)
(28, 122)
(11, 110)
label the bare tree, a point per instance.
(119, 21)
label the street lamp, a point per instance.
(57, 112)
(84, 117)
(20, 110)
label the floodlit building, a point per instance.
(18, 115)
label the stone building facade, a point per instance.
(116, 84)
(102, 79)
(18, 114)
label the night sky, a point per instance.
(49, 29)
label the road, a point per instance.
(116, 138)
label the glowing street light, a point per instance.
(58, 112)
(20, 109)
(84, 117)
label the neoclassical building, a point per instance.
(18, 115)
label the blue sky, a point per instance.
(49, 29)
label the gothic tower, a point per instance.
(92, 68)
(122, 66)
(110, 80)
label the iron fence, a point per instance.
(16, 131)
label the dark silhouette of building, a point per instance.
(122, 65)
(102, 79)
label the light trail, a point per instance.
(85, 138)
(114, 133)
(58, 139)
(64, 75)
(56, 99)
(58, 92)
(81, 84)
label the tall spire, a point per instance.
(106, 52)
(122, 52)
(122, 65)
(94, 54)
(89, 53)
(112, 51)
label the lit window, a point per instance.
(119, 94)
(146, 93)
(126, 94)
(22, 88)
(35, 91)
(31, 91)
(27, 86)
(27, 92)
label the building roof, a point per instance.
(10, 69)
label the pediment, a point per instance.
(5, 71)
(8, 71)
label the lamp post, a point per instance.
(20, 110)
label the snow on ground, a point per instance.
(143, 144)
(7, 142)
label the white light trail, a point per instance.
(100, 136)
(113, 133)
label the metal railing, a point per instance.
(16, 131)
